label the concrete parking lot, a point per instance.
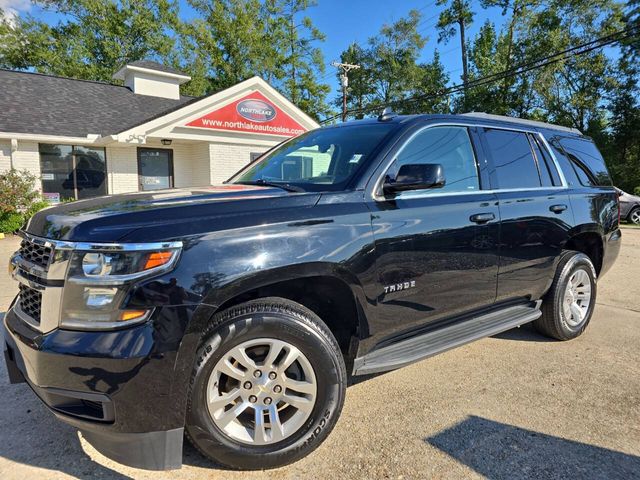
(513, 406)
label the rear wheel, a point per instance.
(268, 385)
(568, 305)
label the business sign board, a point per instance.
(253, 113)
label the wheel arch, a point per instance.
(327, 290)
(590, 243)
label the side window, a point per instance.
(448, 146)
(513, 159)
(564, 162)
(587, 161)
(545, 165)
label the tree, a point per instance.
(432, 82)
(457, 14)
(393, 65)
(93, 39)
(232, 40)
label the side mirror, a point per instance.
(416, 177)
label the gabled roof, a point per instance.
(49, 105)
(151, 65)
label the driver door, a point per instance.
(436, 249)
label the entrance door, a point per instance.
(155, 168)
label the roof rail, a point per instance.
(533, 123)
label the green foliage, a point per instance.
(636, 191)
(17, 191)
(232, 40)
(94, 38)
(10, 222)
(36, 207)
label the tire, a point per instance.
(555, 322)
(634, 216)
(257, 328)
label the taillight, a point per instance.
(619, 212)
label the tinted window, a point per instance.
(565, 165)
(587, 161)
(322, 159)
(70, 172)
(513, 160)
(448, 146)
(544, 165)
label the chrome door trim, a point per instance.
(378, 196)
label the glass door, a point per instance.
(155, 168)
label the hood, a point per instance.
(164, 214)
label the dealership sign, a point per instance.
(253, 113)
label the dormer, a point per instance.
(146, 77)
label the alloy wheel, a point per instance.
(261, 391)
(577, 297)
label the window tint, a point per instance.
(512, 158)
(72, 172)
(544, 166)
(587, 161)
(448, 146)
(565, 165)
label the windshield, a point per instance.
(319, 160)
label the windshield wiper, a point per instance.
(266, 183)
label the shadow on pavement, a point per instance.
(526, 333)
(501, 451)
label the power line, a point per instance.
(517, 70)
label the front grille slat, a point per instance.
(30, 301)
(36, 253)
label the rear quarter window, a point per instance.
(586, 161)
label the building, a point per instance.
(85, 138)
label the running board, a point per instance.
(426, 345)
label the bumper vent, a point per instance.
(35, 253)
(30, 301)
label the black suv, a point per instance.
(235, 314)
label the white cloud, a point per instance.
(11, 8)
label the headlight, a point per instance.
(100, 277)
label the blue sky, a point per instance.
(346, 21)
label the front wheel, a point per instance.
(268, 385)
(568, 305)
(634, 216)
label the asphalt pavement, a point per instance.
(517, 405)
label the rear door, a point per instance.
(535, 211)
(436, 249)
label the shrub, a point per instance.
(36, 207)
(10, 222)
(636, 191)
(17, 191)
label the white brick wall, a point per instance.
(227, 159)
(122, 169)
(5, 155)
(27, 157)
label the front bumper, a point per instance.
(116, 387)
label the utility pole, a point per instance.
(344, 81)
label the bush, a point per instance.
(17, 191)
(636, 191)
(36, 207)
(10, 222)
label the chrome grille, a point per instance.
(35, 253)
(30, 301)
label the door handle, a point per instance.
(482, 217)
(558, 208)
